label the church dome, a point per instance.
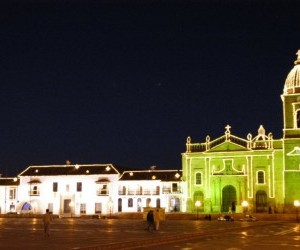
(292, 82)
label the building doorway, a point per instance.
(67, 207)
(261, 201)
(228, 199)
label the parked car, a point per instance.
(225, 218)
(248, 217)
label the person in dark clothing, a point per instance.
(150, 221)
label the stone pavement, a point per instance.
(101, 234)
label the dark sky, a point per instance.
(125, 82)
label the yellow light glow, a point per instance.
(76, 166)
(245, 204)
(107, 168)
(296, 203)
(198, 203)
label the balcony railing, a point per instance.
(102, 192)
(34, 193)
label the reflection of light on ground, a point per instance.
(244, 233)
(296, 238)
(34, 221)
(296, 229)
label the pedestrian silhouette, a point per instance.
(47, 218)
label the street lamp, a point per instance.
(198, 204)
(245, 207)
(296, 204)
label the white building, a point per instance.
(8, 195)
(89, 189)
(68, 190)
(150, 188)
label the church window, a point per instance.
(198, 179)
(260, 177)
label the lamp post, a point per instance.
(197, 204)
(296, 204)
(245, 207)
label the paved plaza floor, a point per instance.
(73, 233)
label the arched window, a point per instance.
(260, 177)
(157, 202)
(198, 179)
(130, 202)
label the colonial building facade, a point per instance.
(89, 189)
(257, 173)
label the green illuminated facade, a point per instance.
(265, 172)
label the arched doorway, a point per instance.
(261, 201)
(175, 205)
(228, 199)
(119, 205)
(139, 204)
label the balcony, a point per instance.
(102, 192)
(34, 193)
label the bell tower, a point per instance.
(291, 102)
(291, 134)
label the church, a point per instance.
(254, 174)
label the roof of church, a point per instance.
(292, 82)
(9, 181)
(78, 169)
(162, 175)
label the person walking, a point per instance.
(47, 218)
(150, 221)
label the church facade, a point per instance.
(254, 174)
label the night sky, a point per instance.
(125, 82)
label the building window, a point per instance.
(198, 178)
(174, 187)
(55, 186)
(98, 208)
(157, 202)
(83, 208)
(157, 192)
(34, 191)
(103, 189)
(166, 188)
(260, 177)
(130, 202)
(12, 193)
(79, 186)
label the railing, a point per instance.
(249, 144)
(102, 192)
(34, 193)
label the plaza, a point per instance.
(93, 234)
